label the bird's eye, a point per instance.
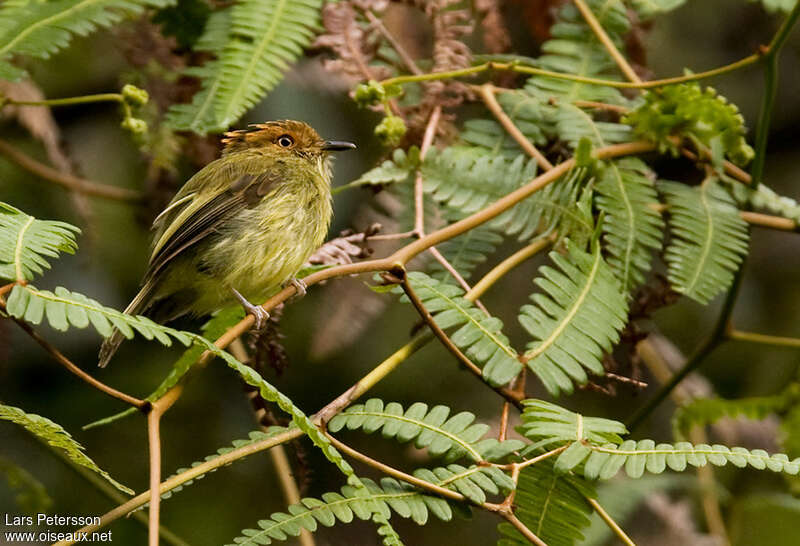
(285, 141)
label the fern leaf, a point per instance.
(26, 243)
(469, 178)
(264, 38)
(390, 495)
(54, 435)
(40, 29)
(709, 239)
(452, 438)
(64, 309)
(632, 230)
(478, 335)
(577, 317)
(547, 424)
(391, 171)
(552, 505)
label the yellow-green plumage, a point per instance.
(247, 221)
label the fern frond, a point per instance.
(709, 239)
(595, 449)
(478, 335)
(54, 435)
(604, 462)
(40, 29)
(452, 438)
(632, 230)
(264, 38)
(573, 124)
(574, 320)
(64, 309)
(552, 505)
(30, 495)
(395, 170)
(700, 115)
(546, 424)
(705, 411)
(390, 495)
(469, 178)
(26, 243)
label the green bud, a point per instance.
(370, 93)
(135, 95)
(134, 125)
(391, 130)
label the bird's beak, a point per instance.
(337, 146)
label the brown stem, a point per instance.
(69, 365)
(396, 45)
(67, 180)
(154, 441)
(487, 94)
(522, 528)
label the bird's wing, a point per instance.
(198, 218)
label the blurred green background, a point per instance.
(214, 411)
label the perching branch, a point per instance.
(601, 34)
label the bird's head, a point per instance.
(283, 138)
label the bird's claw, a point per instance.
(299, 285)
(260, 314)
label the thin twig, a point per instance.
(769, 221)
(419, 194)
(613, 525)
(158, 409)
(67, 180)
(100, 97)
(69, 365)
(600, 32)
(487, 91)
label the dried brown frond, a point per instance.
(344, 249)
(353, 42)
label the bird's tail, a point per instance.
(136, 307)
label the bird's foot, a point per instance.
(260, 314)
(299, 286)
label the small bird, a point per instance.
(240, 228)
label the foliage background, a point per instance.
(214, 410)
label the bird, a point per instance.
(240, 228)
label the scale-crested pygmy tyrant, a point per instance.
(241, 227)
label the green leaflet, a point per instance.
(650, 8)
(26, 243)
(451, 437)
(54, 435)
(709, 239)
(552, 505)
(390, 496)
(64, 309)
(262, 39)
(577, 316)
(40, 29)
(632, 230)
(478, 335)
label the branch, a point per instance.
(67, 180)
(157, 410)
(613, 525)
(522, 528)
(598, 30)
(69, 365)
(752, 337)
